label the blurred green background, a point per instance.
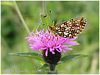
(13, 35)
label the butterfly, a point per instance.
(70, 28)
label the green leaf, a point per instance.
(7, 3)
(71, 57)
(28, 54)
(44, 66)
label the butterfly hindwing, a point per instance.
(70, 28)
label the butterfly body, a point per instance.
(70, 28)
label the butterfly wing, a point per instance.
(70, 28)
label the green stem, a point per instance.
(52, 69)
(21, 17)
(43, 8)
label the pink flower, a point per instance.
(47, 41)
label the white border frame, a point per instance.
(48, 0)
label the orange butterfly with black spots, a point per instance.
(70, 28)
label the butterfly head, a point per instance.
(52, 28)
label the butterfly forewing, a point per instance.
(70, 28)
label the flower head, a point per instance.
(47, 41)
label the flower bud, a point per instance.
(51, 58)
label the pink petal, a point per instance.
(58, 50)
(68, 48)
(46, 53)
